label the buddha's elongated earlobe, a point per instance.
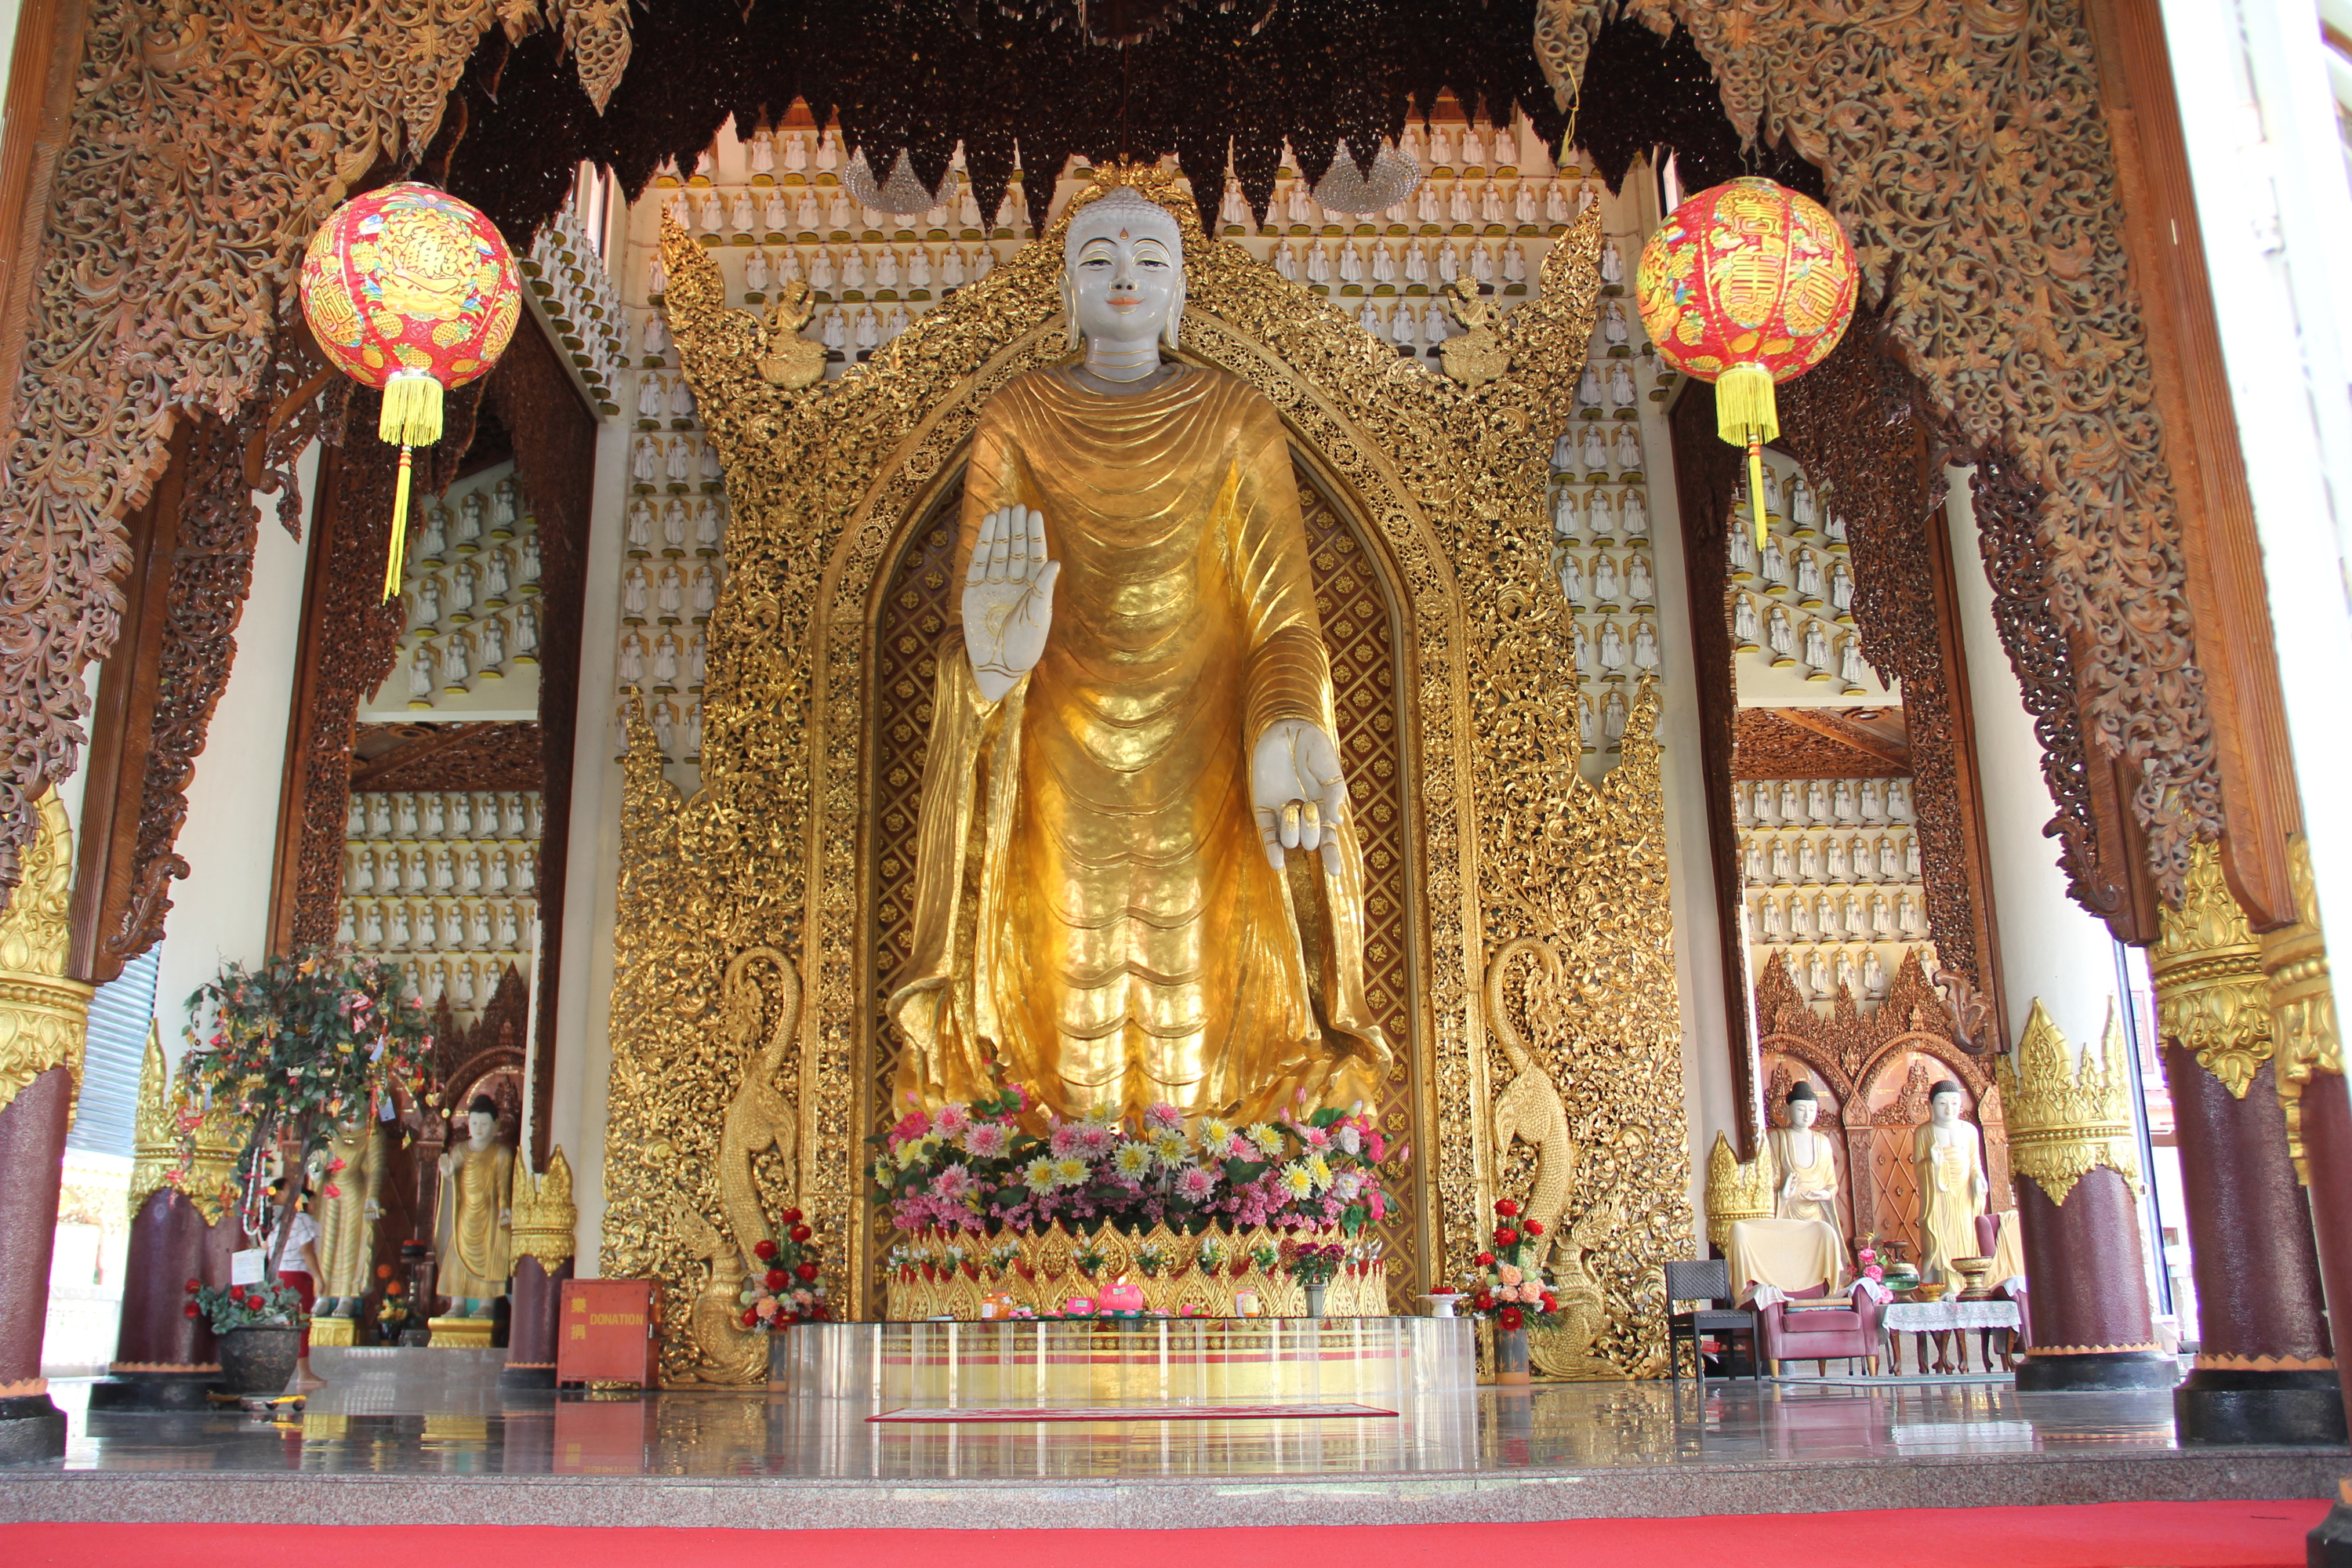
(1168, 333)
(1073, 337)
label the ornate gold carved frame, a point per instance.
(774, 852)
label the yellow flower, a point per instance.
(1267, 1137)
(1038, 1174)
(1172, 1148)
(1133, 1160)
(1320, 1170)
(1297, 1181)
(1215, 1133)
(1069, 1173)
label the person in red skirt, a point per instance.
(297, 1268)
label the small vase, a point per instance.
(258, 1360)
(1315, 1299)
(1511, 1357)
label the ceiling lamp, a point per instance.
(1395, 176)
(1747, 285)
(902, 192)
(408, 290)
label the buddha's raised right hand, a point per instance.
(1008, 598)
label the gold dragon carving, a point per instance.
(826, 482)
(1965, 149)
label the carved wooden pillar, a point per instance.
(2266, 1370)
(2078, 1168)
(43, 1020)
(544, 1222)
(182, 1226)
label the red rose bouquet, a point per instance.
(1509, 1282)
(789, 1286)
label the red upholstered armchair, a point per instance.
(1820, 1334)
(1988, 1246)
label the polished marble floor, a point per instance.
(391, 1446)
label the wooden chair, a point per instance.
(1708, 1283)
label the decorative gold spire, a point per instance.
(544, 1217)
(2067, 1116)
(44, 1016)
(2210, 997)
(1734, 1191)
(156, 1141)
(2302, 1002)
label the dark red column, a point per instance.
(2084, 1264)
(536, 1301)
(2266, 1371)
(163, 1358)
(32, 1158)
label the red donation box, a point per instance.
(608, 1333)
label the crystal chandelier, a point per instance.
(902, 192)
(1395, 176)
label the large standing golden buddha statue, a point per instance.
(1137, 877)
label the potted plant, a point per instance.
(1313, 1267)
(259, 1328)
(295, 1046)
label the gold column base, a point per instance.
(337, 1332)
(461, 1334)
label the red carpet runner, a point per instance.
(2095, 1535)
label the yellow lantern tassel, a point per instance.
(1746, 414)
(411, 417)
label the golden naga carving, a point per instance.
(825, 486)
(1735, 1192)
(44, 1016)
(758, 1118)
(2211, 997)
(2302, 1002)
(1478, 354)
(546, 1220)
(725, 1353)
(2068, 1117)
(1529, 1107)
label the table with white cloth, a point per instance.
(1787, 1255)
(1921, 1319)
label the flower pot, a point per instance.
(1315, 1299)
(1510, 1356)
(258, 1360)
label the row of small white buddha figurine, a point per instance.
(1463, 203)
(1826, 916)
(452, 870)
(1820, 974)
(678, 461)
(435, 925)
(662, 661)
(1607, 583)
(830, 270)
(1578, 512)
(1789, 640)
(676, 721)
(1813, 575)
(1785, 856)
(669, 593)
(1353, 264)
(1600, 724)
(465, 984)
(1821, 803)
(437, 592)
(576, 290)
(479, 520)
(451, 814)
(1596, 447)
(1607, 649)
(675, 526)
(444, 661)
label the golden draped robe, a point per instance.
(1948, 1203)
(472, 1242)
(1093, 906)
(346, 1245)
(1820, 1176)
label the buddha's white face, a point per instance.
(1125, 285)
(1944, 1110)
(481, 1124)
(1803, 1114)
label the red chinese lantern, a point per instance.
(1747, 285)
(409, 289)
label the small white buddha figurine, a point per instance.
(1792, 804)
(1873, 801)
(398, 930)
(756, 272)
(1911, 856)
(1866, 865)
(1801, 921)
(1898, 800)
(1856, 915)
(1601, 515)
(632, 658)
(434, 820)
(1593, 451)
(1841, 586)
(1566, 519)
(1621, 385)
(637, 530)
(1770, 921)
(1949, 1154)
(1752, 864)
(1809, 861)
(760, 155)
(1572, 580)
(1817, 646)
(427, 929)
(493, 634)
(656, 277)
(1776, 562)
(1784, 867)
(1639, 588)
(1611, 649)
(1804, 504)
(1809, 577)
(1745, 629)
(1613, 329)
(1881, 916)
(526, 632)
(1605, 582)
(1563, 452)
(650, 396)
(1646, 657)
(1817, 974)
(1780, 637)
(1807, 1163)
(1588, 388)
(1835, 865)
(1742, 550)
(1909, 918)
(1613, 715)
(1890, 866)
(1612, 264)
(434, 537)
(469, 520)
(1850, 667)
(1629, 449)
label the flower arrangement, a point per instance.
(1865, 1260)
(245, 1306)
(975, 1168)
(1507, 1283)
(296, 1045)
(791, 1289)
(1310, 1264)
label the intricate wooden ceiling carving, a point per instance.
(1965, 149)
(1767, 743)
(493, 754)
(207, 141)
